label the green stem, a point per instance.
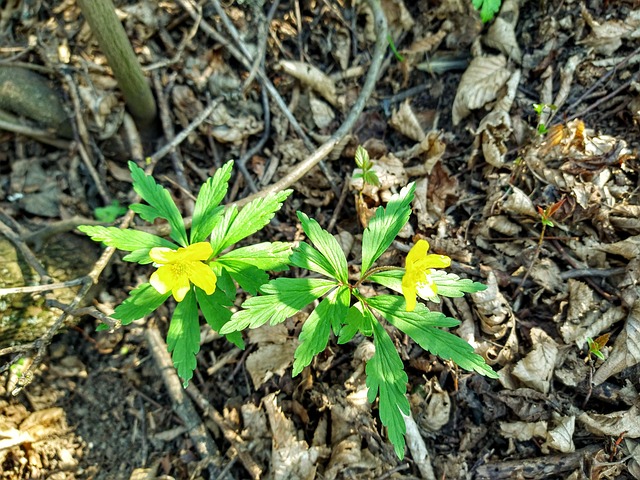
(114, 43)
(373, 271)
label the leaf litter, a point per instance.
(468, 134)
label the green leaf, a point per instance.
(307, 257)
(249, 220)
(109, 213)
(392, 279)
(358, 320)
(249, 277)
(183, 337)
(160, 204)
(283, 297)
(266, 256)
(216, 314)
(386, 377)
(421, 325)
(488, 8)
(327, 245)
(221, 227)
(140, 302)
(451, 285)
(385, 225)
(207, 204)
(362, 158)
(225, 282)
(317, 327)
(135, 241)
(394, 309)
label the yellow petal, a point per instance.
(197, 251)
(162, 280)
(417, 252)
(434, 261)
(162, 255)
(202, 276)
(180, 289)
(409, 291)
(194, 252)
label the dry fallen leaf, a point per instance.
(311, 77)
(479, 85)
(625, 352)
(536, 369)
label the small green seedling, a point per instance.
(487, 8)
(596, 346)
(392, 45)
(109, 213)
(545, 114)
(365, 164)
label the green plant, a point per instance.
(346, 311)
(201, 270)
(545, 114)
(487, 8)
(109, 213)
(364, 163)
(196, 271)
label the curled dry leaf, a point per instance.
(518, 203)
(625, 352)
(291, 459)
(613, 424)
(322, 113)
(560, 437)
(502, 224)
(628, 248)
(523, 431)
(607, 37)
(479, 85)
(502, 35)
(406, 122)
(311, 77)
(536, 369)
(273, 355)
(493, 308)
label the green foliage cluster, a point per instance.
(334, 297)
(487, 8)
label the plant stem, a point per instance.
(373, 271)
(114, 43)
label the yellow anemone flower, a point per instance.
(417, 279)
(177, 269)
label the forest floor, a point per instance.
(454, 112)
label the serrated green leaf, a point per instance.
(183, 337)
(266, 256)
(387, 379)
(316, 329)
(371, 177)
(249, 277)
(253, 217)
(135, 241)
(421, 325)
(394, 309)
(327, 245)
(160, 204)
(451, 285)
(307, 257)
(110, 212)
(283, 297)
(354, 323)
(385, 225)
(225, 282)
(221, 227)
(207, 206)
(488, 8)
(362, 158)
(140, 302)
(215, 312)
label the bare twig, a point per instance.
(185, 133)
(237, 442)
(180, 402)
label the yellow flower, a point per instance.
(177, 269)
(417, 279)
